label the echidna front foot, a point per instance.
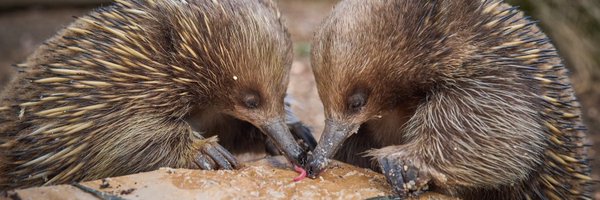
(213, 156)
(404, 176)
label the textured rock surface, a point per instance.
(265, 179)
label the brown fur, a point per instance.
(110, 94)
(482, 107)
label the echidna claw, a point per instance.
(214, 156)
(205, 162)
(403, 176)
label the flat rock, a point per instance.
(269, 178)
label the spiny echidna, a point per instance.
(117, 92)
(464, 97)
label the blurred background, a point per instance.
(573, 25)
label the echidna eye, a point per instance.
(251, 101)
(357, 101)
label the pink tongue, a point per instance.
(301, 171)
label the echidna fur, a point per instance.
(471, 92)
(111, 93)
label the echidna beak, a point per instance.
(280, 133)
(333, 137)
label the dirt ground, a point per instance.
(24, 28)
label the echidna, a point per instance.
(464, 97)
(117, 92)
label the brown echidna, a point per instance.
(464, 97)
(117, 92)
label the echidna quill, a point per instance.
(463, 97)
(140, 85)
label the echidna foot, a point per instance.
(213, 156)
(404, 177)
